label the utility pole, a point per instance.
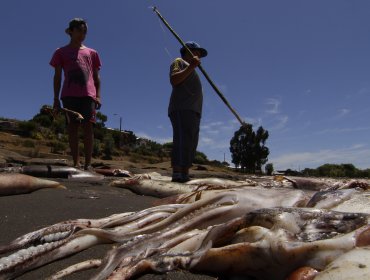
(120, 122)
(120, 130)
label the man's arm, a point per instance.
(177, 77)
(57, 84)
(97, 87)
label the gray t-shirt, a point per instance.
(189, 94)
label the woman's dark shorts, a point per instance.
(83, 105)
(185, 125)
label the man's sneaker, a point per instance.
(89, 168)
(78, 166)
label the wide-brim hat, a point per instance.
(194, 46)
(76, 22)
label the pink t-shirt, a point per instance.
(78, 66)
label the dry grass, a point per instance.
(31, 148)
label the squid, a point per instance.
(11, 184)
(243, 229)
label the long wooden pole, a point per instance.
(200, 68)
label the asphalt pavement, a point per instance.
(20, 214)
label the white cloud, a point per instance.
(343, 112)
(235, 121)
(206, 141)
(307, 92)
(215, 137)
(302, 113)
(342, 130)
(358, 146)
(211, 125)
(213, 132)
(364, 91)
(273, 105)
(143, 135)
(274, 119)
(254, 121)
(358, 154)
(307, 124)
(219, 127)
(209, 145)
(361, 93)
(281, 123)
(158, 139)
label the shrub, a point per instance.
(97, 148)
(58, 147)
(27, 128)
(43, 120)
(35, 153)
(28, 144)
(269, 168)
(200, 158)
(108, 143)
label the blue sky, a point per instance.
(301, 69)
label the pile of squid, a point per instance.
(262, 228)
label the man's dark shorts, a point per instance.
(83, 105)
(185, 125)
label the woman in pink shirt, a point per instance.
(81, 87)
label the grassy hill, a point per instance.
(45, 137)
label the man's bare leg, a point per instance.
(88, 142)
(73, 142)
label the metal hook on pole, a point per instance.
(200, 68)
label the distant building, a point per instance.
(141, 142)
(127, 138)
(278, 172)
(288, 172)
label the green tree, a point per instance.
(54, 122)
(364, 173)
(349, 170)
(44, 117)
(28, 128)
(108, 143)
(101, 119)
(200, 158)
(269, 168)
(43, 120)
(168, 146)
(58, 147)
(59, 125)
(310, 172)
(99, 130)
(97, 148)
(225, 163)
(261, 150)
(248, 148)
(117, 136)
(337, 170)
(330, 170)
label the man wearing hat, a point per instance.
(185, 109)
(81, 87)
